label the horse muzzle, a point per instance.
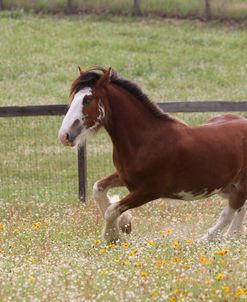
(68, 138)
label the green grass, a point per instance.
(50, 246)
(170, 60)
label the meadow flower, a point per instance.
(97, 241)
(31, 279)
(1, 227)
(220, 276)
(101, 251)
(133, 253)
(221, 252)
(173, 298)
(153, 294)
(125, 245)
(176, 244)
(138, 264)
(37, 225)
(125, 261)
(111, 245)
(168, 231)
(104, 272)
(225, 288)
(189, 241)
(204, 260)
(151, 242)
(144, 274)
(241, 292)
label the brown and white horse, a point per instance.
(155, 154)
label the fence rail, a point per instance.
(55, 110)
(195, 106)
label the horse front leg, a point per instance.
(103, 201)
(113, 212)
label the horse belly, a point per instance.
(189, 196)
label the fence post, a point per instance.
(82, 173)
(1, 4)
(208, 13)
(70, 6)
(137, 8)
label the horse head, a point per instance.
(87, 111)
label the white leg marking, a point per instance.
(225, 218)
(236, 227)
(103, 201)
(112, 212)
(101, 198)
(111, 231)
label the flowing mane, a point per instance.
(89, 77)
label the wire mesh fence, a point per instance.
(35, 166)
(32, 163)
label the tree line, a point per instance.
(136, 7)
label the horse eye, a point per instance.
(87, 99)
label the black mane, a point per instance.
(90, 77)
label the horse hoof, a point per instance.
(111, 238)
(124, 222)
(204, 239)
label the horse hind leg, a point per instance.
(225, 219)
(237, 200)
(236, 196)
(236, 227)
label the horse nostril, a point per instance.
(67, 137)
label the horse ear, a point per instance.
(80, 70)
(105, 78)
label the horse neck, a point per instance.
(131, 123)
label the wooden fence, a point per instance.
(55, 110)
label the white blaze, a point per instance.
(75, 113)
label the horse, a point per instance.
(155, 154)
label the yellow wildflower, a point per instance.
(221, 252)
(173, 298)
(189, 241)
(241, 292)
(143, 274)
(97, 241)
(168, 231)
(103, 272)
(111, 245)
(220, 276)
(160, 263)
(225, 288)
(176, 244)
(138, 264)
(101, 251)
(132, 253)
(153, 294)
(204, 260)
(31, 279)
(1, 227)
(125, 244)
(150, 242)
(37, 225)
(125, 261)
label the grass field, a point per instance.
(50, 245)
